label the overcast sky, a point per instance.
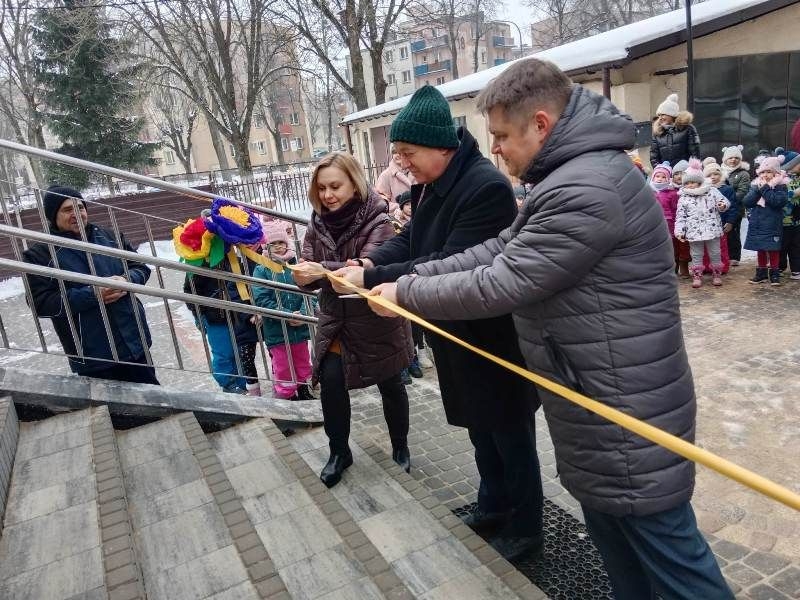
(519, 14)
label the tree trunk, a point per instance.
(454, 51)
(219, 149)
(243, 158)
(376, 56)
(356, 60)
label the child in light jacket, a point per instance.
(764, 203)
(697, 221)
(713, 173)
(291, 350)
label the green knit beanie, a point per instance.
(425, 121)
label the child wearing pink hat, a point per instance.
(667, 196)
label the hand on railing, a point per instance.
(110, 294)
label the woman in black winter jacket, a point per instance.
(674, 136)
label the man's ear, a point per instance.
(543, 122)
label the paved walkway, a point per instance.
(744, 352)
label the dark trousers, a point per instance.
(336, 405)
(418, 335)
(790, 249)
(510, 478)
(662, 554)
(141, 373)
(735, 240)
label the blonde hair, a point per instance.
(347, 164)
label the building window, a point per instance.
(750, 100)
(483, 57)
(403, 52)
(388, 56)
(261, 147)
(284, 144)
(460, 121)
(439, 80)
(425, 59)
(259, 122)
(294, 119)
(391, 79)
(233, 151)
(406, 76)
(296, 144)
(169, 157)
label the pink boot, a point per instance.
(717, 275)
(697, 276)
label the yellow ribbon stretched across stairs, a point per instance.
(256, 258)
(654, 434)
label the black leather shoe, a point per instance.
(513, 548)
(332, 472)
(304, 393)
(482, 521)
(403, 458)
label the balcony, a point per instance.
(498, 41)
(500, 61)
(285, 129)
(428, 68)
(420, 45)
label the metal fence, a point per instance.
(27, 336)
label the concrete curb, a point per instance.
(121, 570)
(68, 392)
(260, 568)
(9, 436)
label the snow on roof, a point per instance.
(598, 49)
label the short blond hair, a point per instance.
(346, 163)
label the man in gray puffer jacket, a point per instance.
(586, 270)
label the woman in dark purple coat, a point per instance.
(354, 348)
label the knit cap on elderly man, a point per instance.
(425, 121)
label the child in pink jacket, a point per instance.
(667, 196)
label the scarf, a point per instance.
(660, 186)
(338, 221)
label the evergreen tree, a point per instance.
(87, 80)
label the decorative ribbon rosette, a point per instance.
(214, 235)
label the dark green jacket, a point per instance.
(265, 297)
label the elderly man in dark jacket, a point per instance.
(83, 301)
(587, 271)
(460, 200)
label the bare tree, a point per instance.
(19, 98)
(481, 13)
(357, 25)
(174, 116)
(223, 53)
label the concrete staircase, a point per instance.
(165, 512)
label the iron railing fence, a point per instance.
(169, 345)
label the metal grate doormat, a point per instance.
(570, 567)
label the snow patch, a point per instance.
(11, 287)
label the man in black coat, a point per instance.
(82, 304)
(461, 199)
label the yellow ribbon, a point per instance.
(255, 257)
(654, 434)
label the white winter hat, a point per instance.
(732, 152)
(669, 106)
(708, 160)
(712, 167)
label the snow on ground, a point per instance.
(11, 287)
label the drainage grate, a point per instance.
(570, 567)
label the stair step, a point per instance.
(51, 544)
(314, 544)
(9, 436)
(431, 551)
(189, 543)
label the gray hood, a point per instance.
(589, 122)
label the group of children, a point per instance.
(704, 203)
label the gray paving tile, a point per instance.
(46, 471)
(55, 425)
(162, 446)
(479, 584)
(243, 591)
(363, 589)
(161, 475)
(150, 434)
(50, 499)
(29, 448)
(174, 541)
(328, 571)
(204, 576)
(435, 565)
(259, 476)
(403, 529)
(69, 576)
(277, 502)
(236, 446)
(297, 535)
(151, 509)
(34, 543)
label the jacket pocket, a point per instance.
(562, 365)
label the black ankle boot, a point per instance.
(402, 457)
(304, 393)
(332, 472)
